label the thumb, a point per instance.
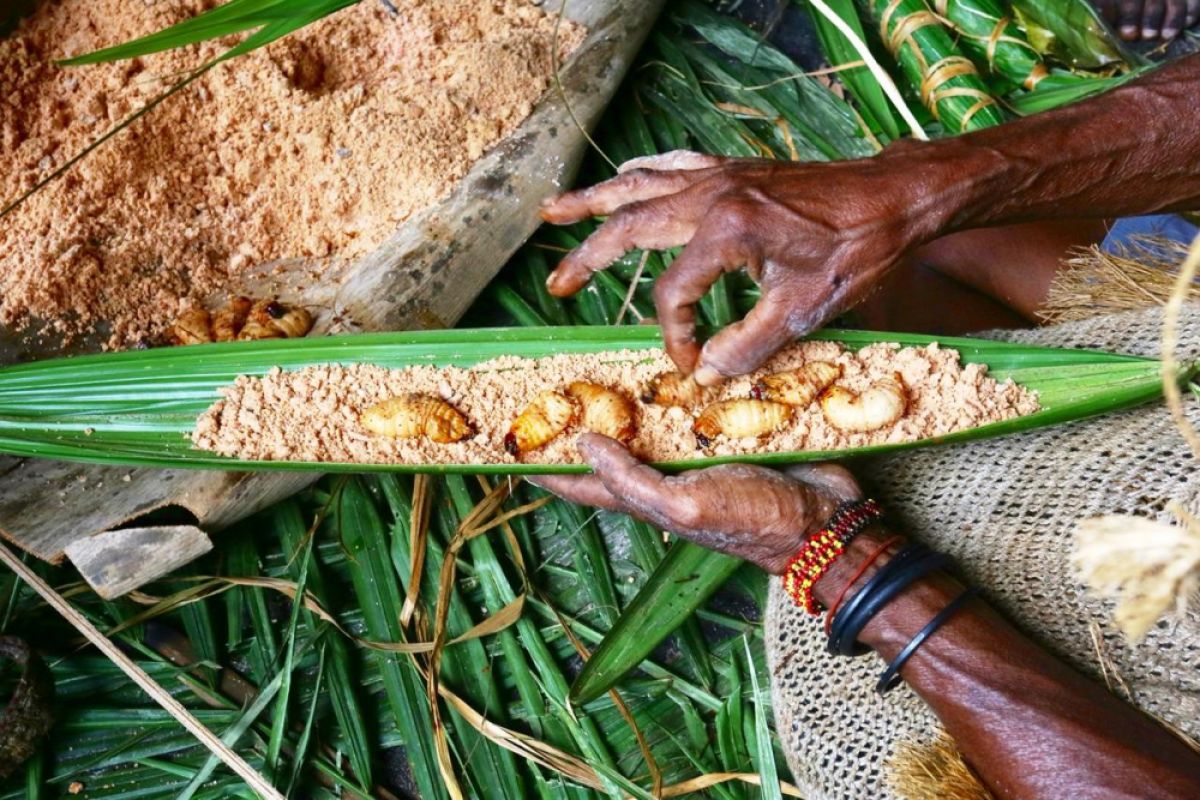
(743, 346)
(832, 480)
(642, 488)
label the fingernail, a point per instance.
(1170, 33)
(1129, 32)
(1149, 33)
(707, 376)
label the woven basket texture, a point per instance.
(1006, 510)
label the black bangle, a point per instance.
(907, 552)
(890, 678)
(883, 587)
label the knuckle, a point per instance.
(664, 291)
(686, 512)
(738, 218)
(630, 216)
(636, 175)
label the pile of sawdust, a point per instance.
(313, 414)
(316, 146)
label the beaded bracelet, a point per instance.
(819, 551)
(911, 563)
(890, 678)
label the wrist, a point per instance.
(823, 550)
(858, 551)
(897, 621)
(955, 185)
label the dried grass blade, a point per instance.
(1184, 286)
(419, 527)
(139, 676)
(881, 75)
(618, 701)
(702, 782)
(466, 530)
(235, 732)
(493, 624)
(507, 516)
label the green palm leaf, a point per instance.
(270, 19)
(136, 408)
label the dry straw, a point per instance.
(933, 771)
(1148, 567)
(160, 695)
(1140, 274)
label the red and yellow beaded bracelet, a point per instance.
(819, 551)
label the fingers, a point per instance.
(1174, 18)
(676, 159)
(655, 225)
(1153, 14)
(1193, 13)
(1129, 19)
(632, 186)
(743, 346)
(1107, 10)
(643, 489)
(832, 480)
(585, 490)
(678, 290)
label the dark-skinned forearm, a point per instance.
(1134, 150)
(1031, 726)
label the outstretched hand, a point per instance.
(757, 514)
(815, 237)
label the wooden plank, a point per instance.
(116, 562)
(46, 505)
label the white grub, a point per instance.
(540, 422)
(880, 405)
(313, 414)
(740, 418)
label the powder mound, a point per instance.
(313, 414)
(316, 146)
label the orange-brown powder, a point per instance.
(316, 146)
(314, 414)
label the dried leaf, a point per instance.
(1148, 567)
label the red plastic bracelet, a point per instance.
(862, 570)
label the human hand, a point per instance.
(1149, 19)
(754, 513)
(815, 237)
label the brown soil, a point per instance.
(316, 146)
(313, 414)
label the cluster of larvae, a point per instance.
(589, 405)
(241, 319)
(775, 398)
(773, 401)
